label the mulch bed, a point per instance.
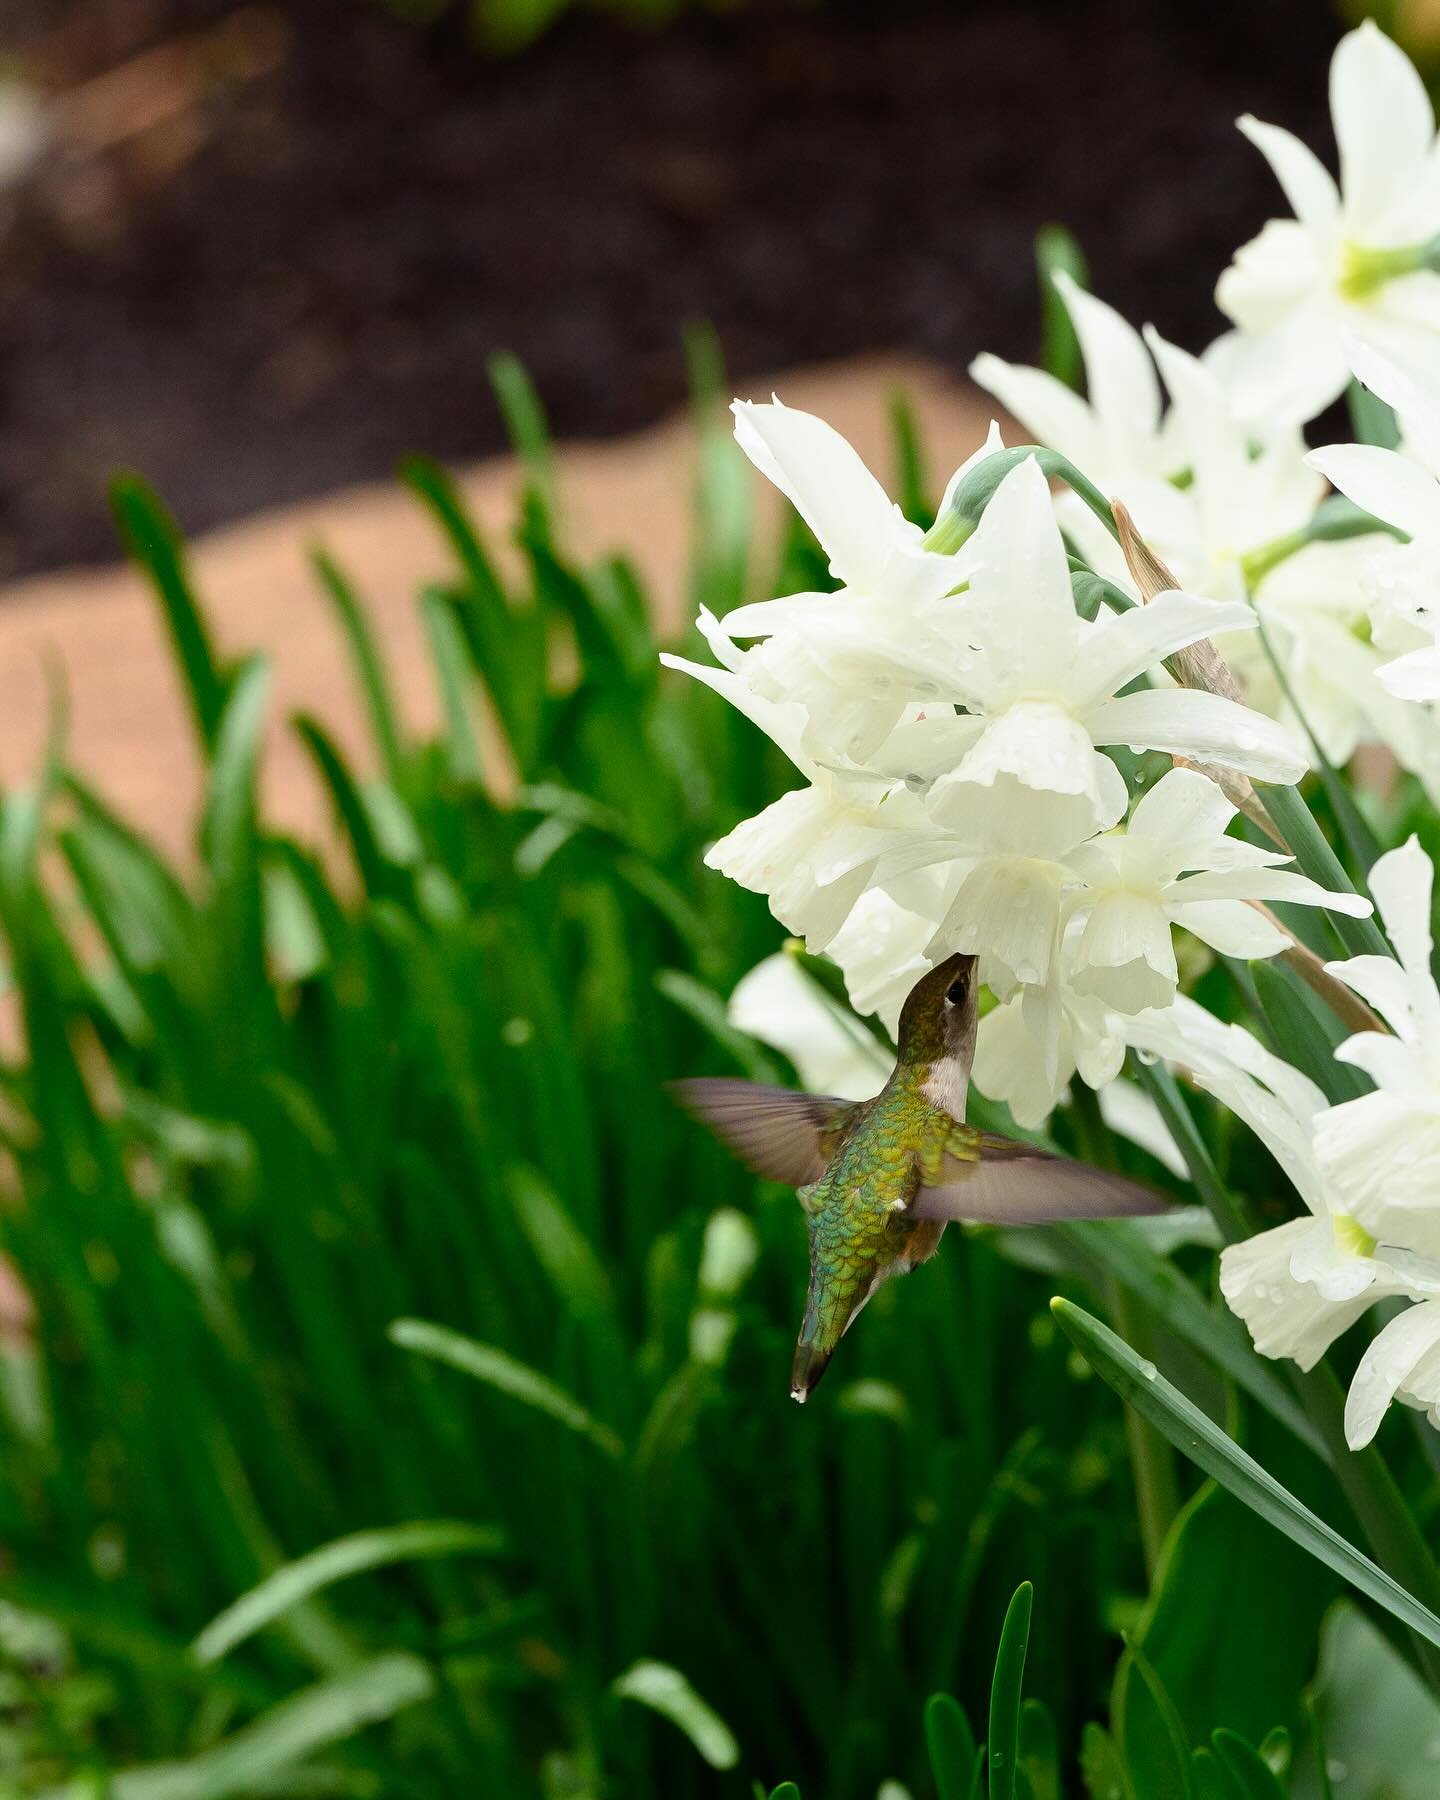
(276, 250)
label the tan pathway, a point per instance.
(129, 730)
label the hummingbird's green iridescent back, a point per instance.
(861, 1231)
(879, 1179)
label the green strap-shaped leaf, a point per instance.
(287, 1587)
(497, 1370)
(666, 1691)
(1005, 1688)
(951, 1744)
(1124, 1252)
(1153, 1397)
(154, 545)
(1152, 1738)
(1039, 1750)
(1315, 858)
(1209, 1778)
(1250, 1775)
(367, 662)
(1056, 251)
(280, 1739)
(1101, 1768)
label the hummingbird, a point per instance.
(880, 1179)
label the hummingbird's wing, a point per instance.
(781, 1134)
(993, 1180)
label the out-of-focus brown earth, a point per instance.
(270, 245)
(129, 728)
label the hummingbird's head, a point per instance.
(940, 1013)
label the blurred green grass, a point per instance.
(352, 1208)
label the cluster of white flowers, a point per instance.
(948, 711)
(1366, 1168)
(958, 722)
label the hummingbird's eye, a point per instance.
(958, 989)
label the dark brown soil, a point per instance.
(277, 251)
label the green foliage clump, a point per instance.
(405, 1407)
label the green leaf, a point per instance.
(1208, 1777)
(1144, 1388)
(951, 1745)
(666, 1691)
(282, 1738)
(524, 420)
(1057, 252)
(1371, 419)
(1039, 1750)
(289, 1586)
(1121, 1249)
(230, 810)
(562, 1249)
(502, 1372)
(1315, 858)
(1249, 1774)
(1101, 1766)
(153, 544)
(367, 662)
(1308, 1031)
(787, 1790)
(1209, 1628)
(1151, 1735)
(910, 484)
(452, 669)
(349, 803)
(1005, 1690)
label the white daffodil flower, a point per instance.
(1300, 1285)
(1402, 581)
(814, 851)
(1381, 1152)
(1402, 1363)
(832, 1051)
(1116, 434)
(852, 658)
(1203, 491)
(1174, 865)
(1026, 776)
(1242, 499)
(882, 948)
(993, 795)
(1351, 261)
(1029, 1048)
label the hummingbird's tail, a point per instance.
(811, 1362)
(836, 1294)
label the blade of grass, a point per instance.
(296, 1581)
(1005, 1691)
(502, 1372)
(149, 535)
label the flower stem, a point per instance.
(973, 494)
(1152, 1461)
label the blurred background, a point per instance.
(352, 913)
(262, 250)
